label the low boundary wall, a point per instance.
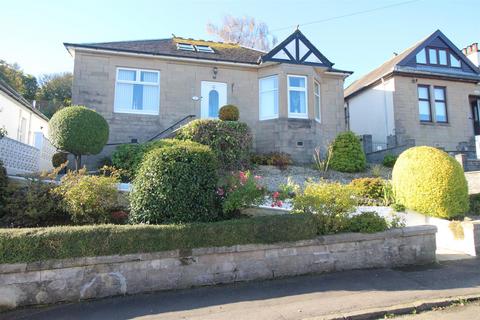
(95, 277)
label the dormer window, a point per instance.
(205, 49)
(185, 47)
(438, 57)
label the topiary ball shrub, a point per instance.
(231, 141)
(59, 158)
(176, 184)
(78, 130)
(347, 153)
(229, 112)
(429, 181)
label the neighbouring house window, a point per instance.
(422, 57)
(454, 62)
(22, 132)
(440, 104)
(137, 91)
(316, 93)
(424, 104)
(268, 97)
(432, 56)
(297, 97)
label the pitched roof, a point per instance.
(4, 87)
(396, 64)
(228, 52)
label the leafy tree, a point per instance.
(55, 92)
(245, 31)
(78, 130)
(23, 83)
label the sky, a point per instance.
(356, 35)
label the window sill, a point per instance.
(318, 120)
(137, 112)
(297, 116)
(268, 118)
(440, 124)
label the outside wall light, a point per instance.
(215, 71)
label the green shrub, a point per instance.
(347, 153)
(397, 207)
(78, 130)
(229, 112)
(88, 199)
(29, 245)
(30, 204)
(279, 159)
(429, 181)
(59, 158)
(368, 191)
(331, 203)
(176, 184)
(475, 204)
(128, 157)
(241, 190)
(3, 185)
(367, 222)
(389, 160)
(231, 141)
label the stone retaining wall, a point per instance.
(94, 277)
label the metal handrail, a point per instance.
(158, 134)
(172, 126)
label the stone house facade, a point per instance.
(291, 97)
(430, 93)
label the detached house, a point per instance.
(429, 93)
(291, 97)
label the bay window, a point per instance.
(137, 91)
(297, 97)
(268, 97)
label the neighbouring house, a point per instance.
(25, 148)
(19, 117)
(428, 94)
(291, 97)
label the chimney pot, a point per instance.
(475, 47)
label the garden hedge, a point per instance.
(40, 244)
(231, 141)
(430, 181)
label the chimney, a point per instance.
(472, 53)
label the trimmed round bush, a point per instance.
(128, 157)
(429, 181)
(176, 184)
(59, 158)
(347, 153)
(231, 141)
(78, 130)
(229, 112)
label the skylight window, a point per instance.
(205, 49)
(185, 47)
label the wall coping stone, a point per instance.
(180, 253)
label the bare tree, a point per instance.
(245, 31)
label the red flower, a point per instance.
(275, 195)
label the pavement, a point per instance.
(337, 295)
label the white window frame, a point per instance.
(275, 116)
(295, 114)
(204, 48)
(318, 117)
(185, 46)
(117, 109)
